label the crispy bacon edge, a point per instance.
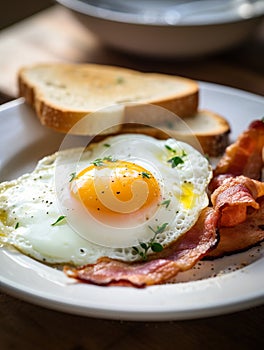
(236, 192)
(179, 256)
(241, 237)
(244, 156)
(233, 198)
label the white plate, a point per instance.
(225, 285)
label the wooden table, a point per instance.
(54, 35)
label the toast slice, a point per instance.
(205, 130)
(62, 94)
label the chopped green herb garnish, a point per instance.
(166, 203)
(147, 175)
(120, 80)
(109, 159)
(175, 161)
(62, 217)
(154, 246)
(160, 229)
(107, 145)
(17, 225)
(72, 176)
(170, 149)
(100, 161)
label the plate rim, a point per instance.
(136, 315)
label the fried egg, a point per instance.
(112, 198)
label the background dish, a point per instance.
(169, 28)
(229, 291)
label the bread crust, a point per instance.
(211, 142)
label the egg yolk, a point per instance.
(116, 192)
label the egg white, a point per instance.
(30, 205)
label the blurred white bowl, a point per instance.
(169, 28)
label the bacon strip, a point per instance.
(234, 196)
(180, 256)
(244, 157)
(243, 236)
